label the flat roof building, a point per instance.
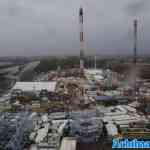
(35, 86)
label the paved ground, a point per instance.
(96, 146)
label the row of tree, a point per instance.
(67, 63)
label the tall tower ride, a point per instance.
(135, 41)
(81, 41)
(135, 24)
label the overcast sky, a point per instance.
(48, 27)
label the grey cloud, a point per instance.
(45, 27)
(136, 7)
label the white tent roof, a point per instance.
(35, 86)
